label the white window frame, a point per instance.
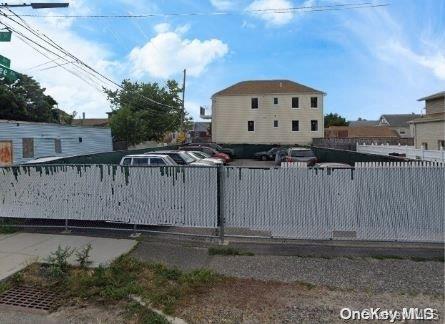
(292, 129)
(249, 131)
(299, 106)
(310, 104)
(318, 125)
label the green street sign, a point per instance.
(8, 74)
(5, 36)
(5, 61)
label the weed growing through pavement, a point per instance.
(83, 256)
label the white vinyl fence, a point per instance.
(390, 201)
(372, 202)
(410, 151)
(151, 196)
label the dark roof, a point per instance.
(363, 122)
(438, 95)
(362, 131)
(399, 120)
(429, 118)
(266, 87)
(97, 122)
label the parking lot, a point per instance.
(252, 163)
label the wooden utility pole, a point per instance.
(183, 103)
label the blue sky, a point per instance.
(369, 61)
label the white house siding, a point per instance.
(430, 133)
(94, 139)
(434, 106)
(230, 115)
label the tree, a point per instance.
(135, 118)
(334, 120)
(25, 100)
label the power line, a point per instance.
(334, 7)
(81, 64)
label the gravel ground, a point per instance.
(400, 276)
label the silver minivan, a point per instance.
(142, 160)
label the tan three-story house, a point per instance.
(267, 112)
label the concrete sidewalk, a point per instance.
(21, 249)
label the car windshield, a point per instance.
(187, 157)
(301, 153)
(201, 155)
(273, 150)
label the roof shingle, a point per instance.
(259, 87)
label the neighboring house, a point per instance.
(267, 112)
(363, 132)
(95, 122)
(398, 122)
(429, 130)
(200, 132)
(362, 122)
(28, 140)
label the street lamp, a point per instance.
(39, 5)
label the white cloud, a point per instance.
(223, 4)
(162, 28)
(71, 93)
(277, 13)
(261, 10)
(168, 53)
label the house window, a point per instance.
(80, 140)
(425, 146)
(314, 125)
(402, 132)
(254, 103)
(28, 148)
(295, 102)
(314, 102)
(275, 101)
(275, 123)
(440, 144)
(251, 126)
(57, 145)
(295, 126)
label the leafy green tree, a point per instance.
(135, 118)
(25, 100)
(334, 120)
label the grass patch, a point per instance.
(140, 314)
(7, 229)
(416, 259)
(227, 250)
(159, 286)
(306, 285)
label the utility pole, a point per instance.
(183, 103)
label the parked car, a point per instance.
(205, 157)
(198, 159)
(211, 151)
(267, 155)
(181, 157)
(332, 165)
(230, 152)
(147, 160)
(300, 154)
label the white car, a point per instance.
(147, 160)
(204, 157)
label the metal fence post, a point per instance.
(67, 229)
(220, 202)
